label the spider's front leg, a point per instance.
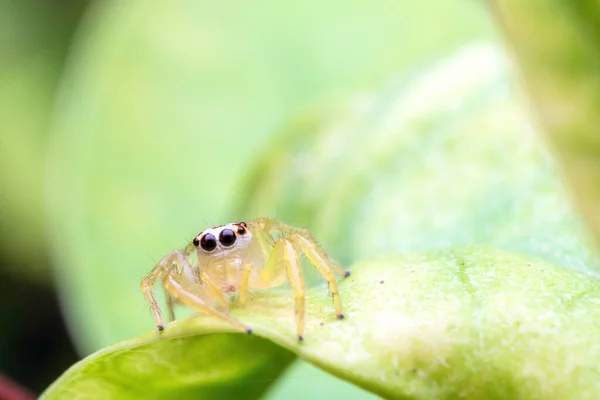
(193, 295)
(176, 261)
(179, 283)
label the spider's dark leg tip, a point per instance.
(300, 338)
(340, 316)
(346, 274)
(160, 327)
(249, 331)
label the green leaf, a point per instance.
(389, 193)
(473, 322)
(162, 108)
(446, 159)
(32, 53)
(187, 366)
(449, 160)
(557, 44)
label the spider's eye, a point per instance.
(208, 242)
(227, 237)
(196, 241)
(243, 224)
(241, 229)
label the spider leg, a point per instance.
(217, 293)
(304, 241)
(176, 260)
(170, 305)
(285, 252)
(309, 249)
(269, 224)
(245, 283)
(192, 295)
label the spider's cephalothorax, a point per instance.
(239, 257)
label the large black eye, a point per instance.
(208, 242)
(227, 237)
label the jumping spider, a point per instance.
(239, 257)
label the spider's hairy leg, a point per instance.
(289, 230)
(245, 283)
(216, 292)
(309, 249)
(192, 295)
(285, 252)
(175, 260)
(170, 305)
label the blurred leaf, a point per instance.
(557, 44)
(188, 366)
(447, 159)
(35, 37)
(473, 323)
(164, 105)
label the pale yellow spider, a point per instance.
(240, 256)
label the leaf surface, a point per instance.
(473, 322)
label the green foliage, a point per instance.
(445, 160)
(186, 366)
(557, 46)
(474, 322)
(164, 106)
(35, 36)
(489, 290)
(32, 54)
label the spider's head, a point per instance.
(223, 239)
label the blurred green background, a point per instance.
(129, 126)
